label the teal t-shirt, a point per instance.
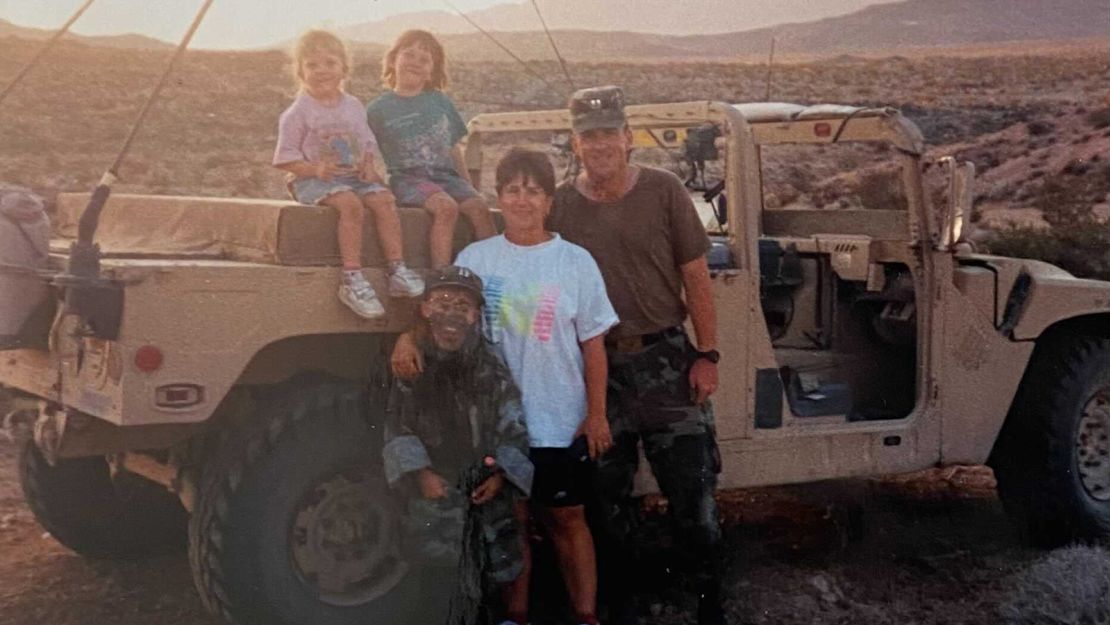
(416, 133)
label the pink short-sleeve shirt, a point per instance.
(312, 131)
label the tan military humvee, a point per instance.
(218, 364)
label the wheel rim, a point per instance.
(343, 541)
(1093, 446)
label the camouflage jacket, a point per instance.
(455, 414)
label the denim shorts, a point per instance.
(315, 190)
(414, 190)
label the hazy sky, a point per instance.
(257, 23)
(230, 23)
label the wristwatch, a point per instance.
(711, 355)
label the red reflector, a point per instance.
(822, 129)
(148, 358)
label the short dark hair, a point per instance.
(530, 165)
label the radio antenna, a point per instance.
(555, 48)
(523, 63)
(770, 69)
(45, 48)
(91, 216)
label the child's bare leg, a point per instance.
(515, 593)
(478, 213)
(445, 212)
(349, 231)
(354, 291)
(387, 222)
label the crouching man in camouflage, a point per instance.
(456, 444)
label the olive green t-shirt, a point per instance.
(640, 242)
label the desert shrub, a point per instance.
(1099, 118)
(1077, 167)
(882, 190)
(1076, 241)
(1069, 586)
(1067, 198)
(1081, 248)
(1039, 127)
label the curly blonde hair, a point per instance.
(423, 39)
(315, 41)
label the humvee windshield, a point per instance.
(836, 290)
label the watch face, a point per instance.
(712, 356)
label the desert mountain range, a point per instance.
(668, 17)
(588, 30)
(130, 41)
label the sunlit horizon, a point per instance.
(246, 24)
(234, 24)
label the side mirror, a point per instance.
(955, 217)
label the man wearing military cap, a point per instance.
(456, 444)
(641, 227)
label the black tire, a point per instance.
(262, 547)
(86, 509)
(1052, 459)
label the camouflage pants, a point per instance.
(434, 533)
(649, 403)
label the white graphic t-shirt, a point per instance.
(541, 302)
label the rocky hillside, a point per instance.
(643, 16)
(920, 24)
(927, 23)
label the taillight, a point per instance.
(148, 359)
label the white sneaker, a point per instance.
(360, 297)
(405, 283)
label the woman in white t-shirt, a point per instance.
(546, 314)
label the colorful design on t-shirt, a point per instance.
(416, 134)
(493, 292)
(529, 310)
(310, 131)
(426, 149)
(544, 320)
(342, 151)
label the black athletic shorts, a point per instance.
(564, 475)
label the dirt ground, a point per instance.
(43, 582)
(929, 552)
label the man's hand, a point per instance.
(432, 485)
(406, 360)
(488, 489)
(703, 380)
(598, 437)
(703, 316)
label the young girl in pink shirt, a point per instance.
(326, 146)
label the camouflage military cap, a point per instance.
(597, 107)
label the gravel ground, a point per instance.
(930, 551)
